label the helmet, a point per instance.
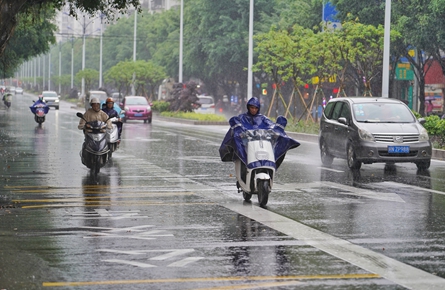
(95, 101)
(109, 100)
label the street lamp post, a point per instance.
(250, 62)
(133, 89)
(100, 53)
(386, 44)
(60, 66)
(83, 56)
(72, 62)
(181, 35)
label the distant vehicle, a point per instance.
(101, 95)
(207, 105)
(51, 99)
(136, 108)
(11, 89)
(18, 91)
(370, 130)
(117, 97)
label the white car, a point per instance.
(51, 98)
(207, 105)
(18, 91)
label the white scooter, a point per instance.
(112, 139)
(256, 177)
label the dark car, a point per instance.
(136, 108)
(370, 130)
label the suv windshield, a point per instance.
(382, 113)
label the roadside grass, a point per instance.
(194, 116)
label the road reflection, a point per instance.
(249, 259)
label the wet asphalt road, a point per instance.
(165, 214)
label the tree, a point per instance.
(216, 48)
(148, 77)
(89, 75)
(14, 12)
(36, 30)
(121, 76)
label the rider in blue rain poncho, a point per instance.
(232, 147)
(39, 103)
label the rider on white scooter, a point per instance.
(108, 108)
(233, 148)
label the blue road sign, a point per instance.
(329, 13)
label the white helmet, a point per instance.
(95, 101)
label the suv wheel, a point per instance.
(326, 158)
(423, 165)
(352, 160)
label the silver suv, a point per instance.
(51, 99)
(369, 130)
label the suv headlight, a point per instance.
(365, 135)
(423, 135)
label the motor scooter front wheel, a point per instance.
(263, 192)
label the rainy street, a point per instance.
(165, 213)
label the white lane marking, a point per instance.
(344, 189)
(373, 262)
(331, 169)
(108, 214)
(398, 185)
(126, 229)
(172, 253)
(132, 263)
(184, 262)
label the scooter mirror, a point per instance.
(80, 115)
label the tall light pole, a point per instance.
(386, 44)
(133, 89)
(181, 36)
(72, 62)
(83, 56)
(250, 62)
(49, 70)
(60, 67)
(100, 52)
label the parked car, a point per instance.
(207, 105)
(18, 91)
(101, 95)
(51, 99)
(369, 130)
(136, 108)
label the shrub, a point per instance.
(194, 116)
(160, 106)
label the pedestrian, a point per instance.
(429, 108)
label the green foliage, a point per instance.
(89, 75)
(307, 127)
(160, 106)
(436, 130)
(195, 116)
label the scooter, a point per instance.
(256, 177)
(112, 139)
(7, 100)
(39, 110)
(257, 154)
(94, 153)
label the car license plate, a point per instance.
(138, 115)
(398, 149)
